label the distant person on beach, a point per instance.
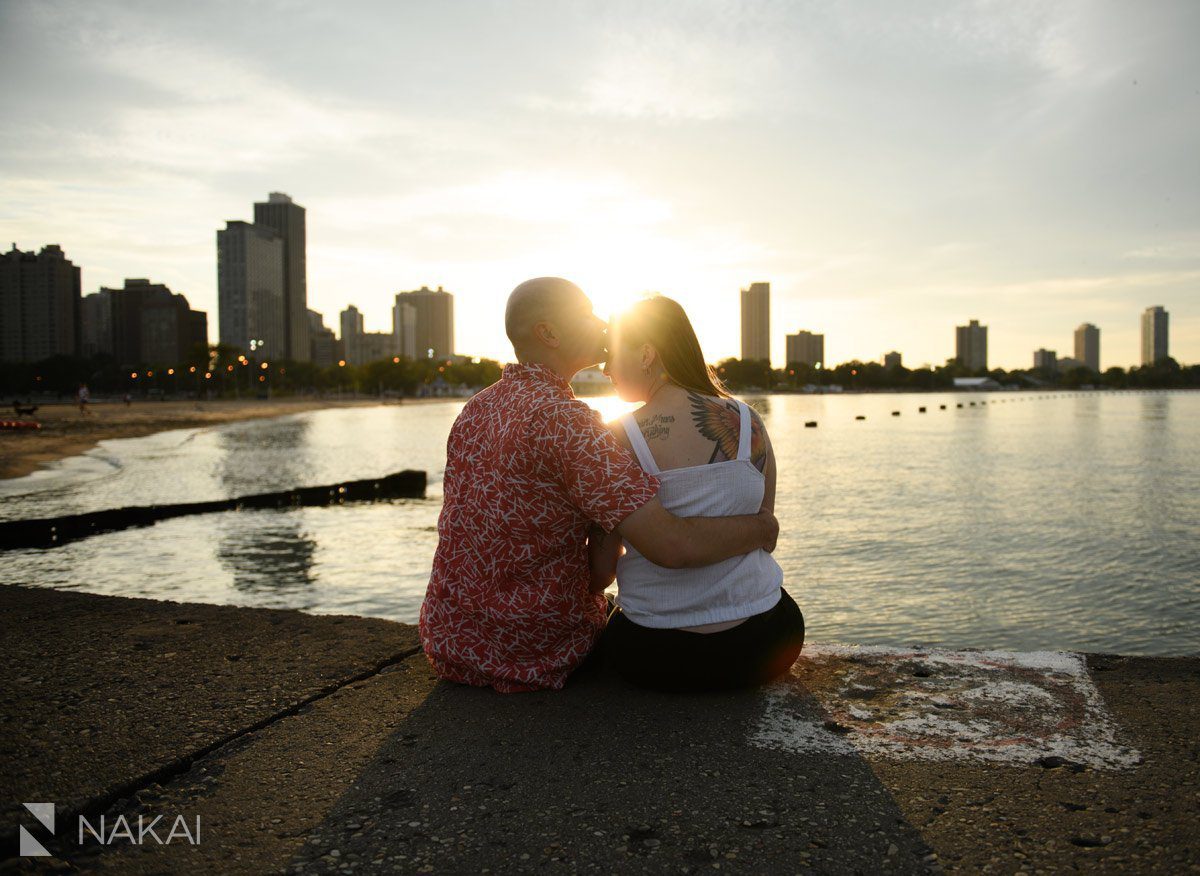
(529, 469)
(83, 397)
(727, 625)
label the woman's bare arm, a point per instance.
(762, 454)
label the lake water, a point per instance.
(1026, 521)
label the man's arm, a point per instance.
(687, 542)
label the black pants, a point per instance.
(755, 651)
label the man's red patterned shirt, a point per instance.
(528, 465)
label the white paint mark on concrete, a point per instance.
(929, 704)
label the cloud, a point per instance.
(905, 164)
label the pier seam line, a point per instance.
(106, 799)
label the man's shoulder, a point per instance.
(508, 412)
(569, 419)
(520, 403)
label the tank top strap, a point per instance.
(640, 448)
(744, 431)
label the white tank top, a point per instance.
(736, 588)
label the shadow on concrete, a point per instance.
(604, 776)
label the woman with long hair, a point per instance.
(727, 625)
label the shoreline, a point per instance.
(66, 433)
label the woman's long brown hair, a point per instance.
(660, 322)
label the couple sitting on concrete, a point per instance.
(545, 506)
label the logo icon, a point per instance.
(43, 812)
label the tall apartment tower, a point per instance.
(351, 323)
(287, 219)
(892, 360)
(96, 323)
(250, 290)
(1087, 346)
(806, 348)
(970, 348)
(756, 321)
(433, 321)
(39, 305)
(1154, 335)
(404, 328)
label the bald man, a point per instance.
(529, 469)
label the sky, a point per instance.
(891, 169)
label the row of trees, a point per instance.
(741, 374)
(220, 371)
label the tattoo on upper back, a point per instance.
(720, 421)
(657, 426)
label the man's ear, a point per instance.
(545, 333)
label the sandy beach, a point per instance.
(65, 432)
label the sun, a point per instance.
(607, 302)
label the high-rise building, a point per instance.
(373, 346)
(1087, 346)
(891, 360)
(143, 323)
(970, 347)
(287, 219)
(806, 348)
(1154, 335)
(198, 319)
(321, 341)
(433, 322)
(39, 305)
(404, 328)
(96, 327)
(756, 321)
(250, 302)
(351, 322)
(1046, 360)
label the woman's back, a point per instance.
(703, 455)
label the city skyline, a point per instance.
(422, 320)
(889, 174)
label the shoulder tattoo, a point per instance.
(719, 421)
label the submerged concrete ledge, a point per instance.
(309, 744)
(57, 531)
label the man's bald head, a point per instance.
(544, 299)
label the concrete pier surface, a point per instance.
(292, 743)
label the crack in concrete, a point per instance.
(102, 803)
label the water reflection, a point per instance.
(1155, 407)
(252, 456)
(267, 550)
